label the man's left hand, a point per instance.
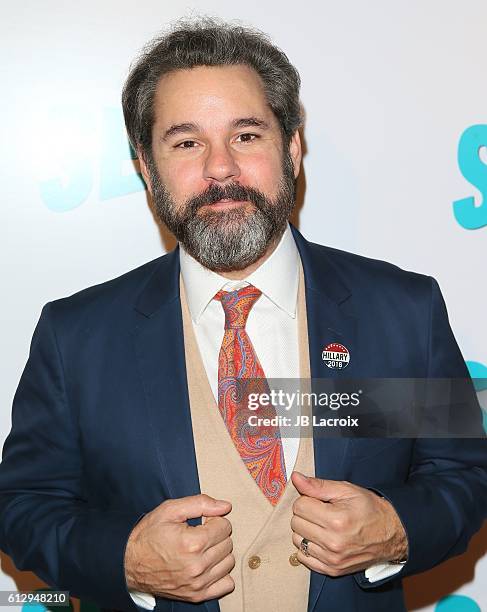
(349, 528)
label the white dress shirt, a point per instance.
(272, 327)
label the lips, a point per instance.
(226, 203)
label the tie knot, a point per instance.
(237, 305)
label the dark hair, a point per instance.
(207, 41)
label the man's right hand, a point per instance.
(169, 558)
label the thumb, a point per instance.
(319, 488)
(181, 509)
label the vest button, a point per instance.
(254, 562)
(293, 560)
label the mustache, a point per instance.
(232, 191)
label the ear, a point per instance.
(144, 170)
(296, 152)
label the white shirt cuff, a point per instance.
(143, 600)
(383, 570)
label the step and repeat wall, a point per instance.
(395, 168)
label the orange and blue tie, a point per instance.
(240, 374)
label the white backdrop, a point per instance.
(388, 88)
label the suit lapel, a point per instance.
(160, 354)
(159, 342)
(328, 321)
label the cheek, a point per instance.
(263, 173)
(183, 180)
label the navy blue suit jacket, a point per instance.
(101, 427)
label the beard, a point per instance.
(232, 239)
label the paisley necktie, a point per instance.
(241, 378)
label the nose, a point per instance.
(220, 164)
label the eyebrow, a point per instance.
(184, 128)
(180, 128)
(251, 122)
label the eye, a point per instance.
(247, 137)
(186, 144)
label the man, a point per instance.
(127, 478)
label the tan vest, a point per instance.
(266, 574)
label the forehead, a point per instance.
(210, 95)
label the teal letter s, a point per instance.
(474, 170)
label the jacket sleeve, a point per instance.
(444, 500)
(47, 525)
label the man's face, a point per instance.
(220, 177)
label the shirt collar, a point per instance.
(277, 278)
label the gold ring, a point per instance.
(304, 546)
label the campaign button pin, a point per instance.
(336, 356)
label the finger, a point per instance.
(194, 506)
(220, 588)
(329, 569)
(201, 583)
(216, 530)
(305, 529)
(326, 490)
(313, 510)
(313, 549)
(221, 569)
(333, 518)
(335, 561)
(217, 553)
(316, 565)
